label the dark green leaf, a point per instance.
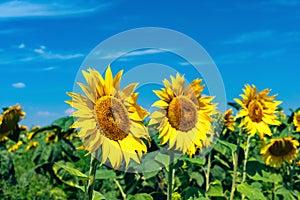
(197, 177)
(218, 173)
(97, 195)
(141, 196)
(105, 174)
(250, 192)
(215, 189)
(64, 123)
(196, 161)
(231, 146)
(72, 171)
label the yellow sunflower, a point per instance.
(9, 119)
(109, 118)
(296, 121)
(32, 145)
(15, 147)
(229, 119)
(50, 138)
(258, 111)
(280, 150)
(184, 116)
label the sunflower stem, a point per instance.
(292, 168)
(171, 175)
(91, 183)
(235, 160)
(207, 174)
(120, 188)
(245, 162)
(234, 176)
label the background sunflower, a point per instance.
(258, 111)
(280, 150)
(184, 116)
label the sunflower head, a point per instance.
(109, 119)
(32, 145)
(229, 119)
(296, 120)
(280, 150)
(183, 115)
(15, 147)
(258, 111)
(50, 138)
(10, 118)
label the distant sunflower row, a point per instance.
(112, 124)
(19, 135)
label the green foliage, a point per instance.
(56, 170)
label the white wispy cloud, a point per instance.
(19, 85)
(244, 57)
(69, 111)
(44, 53)
(45, 113)
(272, 53)
(26, 8)
(133, 53)
(21, 46)
(249, 37)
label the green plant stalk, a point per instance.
(234, 176)
(207, 174)
(292, 169)
(235, 157)
(120, 188)
(91, 183)
(170, 175)
(245, 162)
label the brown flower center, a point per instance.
(255, 111)
(182, 114)
(112, 117)
(281, 148)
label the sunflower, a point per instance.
(15, 147)
(229, 119)
(258, 111)
(32, 145)
(9, 119)
(296, 120)
(184, 116)
(280, 150)
(109, 118)
(50, 138)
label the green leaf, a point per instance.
(196, 161)
(141, 196)
(190, 192)
(235, 105)
(164, 159)
(220, 160)
(229, 145)
(64, 123)
(72, 171)
(97, 195)
(105, 174)
(197, 177)
(254, 167)
(250, 192)
(218, 173)
(215, 189)
(285, 193)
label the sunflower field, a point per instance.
(112, 148)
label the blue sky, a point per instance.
(43, 43)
